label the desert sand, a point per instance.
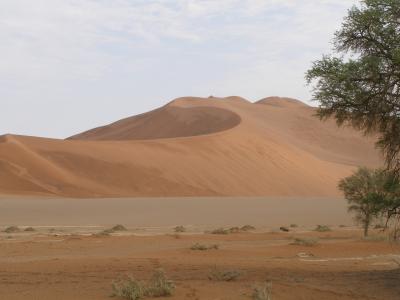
(192, 147)
(61, 265)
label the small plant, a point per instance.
(159, 285)
(220, 231)
(132, 289)
(129, 288)
(12, 229)
(29, 229)
(119, 227)
(263, 292)
(247, 228)
(293, 226)
(305, 242)
(284, 229)
(322, 228)
(105, 232)
(234, 230)
(180, 229)
(202, 247)
(224, 275)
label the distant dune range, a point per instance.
(192, 147)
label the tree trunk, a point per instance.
(366, 227)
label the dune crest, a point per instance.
(192, 147)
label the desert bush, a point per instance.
(224, 275)
(202, 247)
(322, 228)
(159, 285)
(220, 231)
(132, 289)
(29, 229)
(234, 229)
(305, 241)
(12, 229)
(263, 292)
(247, 228)
(180, 229)
(283, 228)
(119, 227)
(293, 226)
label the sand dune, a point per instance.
(192, 147)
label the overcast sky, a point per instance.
(70, 65)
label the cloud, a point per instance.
(89, 51)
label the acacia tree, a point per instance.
(366, 194)
(360, 85)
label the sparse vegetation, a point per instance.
(247, 228)
(12, 229)
(234, 229)
(180, 229)
(263, 292)
(293, 226)
(305, 241)
(220, 231)
(202, 247)
(119, 227)
(322, 228)
(284, 229)
(29, 229)
(132, 289)
(224, 275)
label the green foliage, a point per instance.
(366, 195)
(132, 289)
(363, 87)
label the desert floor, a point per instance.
(63, 259)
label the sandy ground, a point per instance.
(196, 212)
(60, 266)
(65, 259)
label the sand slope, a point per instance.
(192, 147)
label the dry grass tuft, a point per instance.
(224, 275)
(201, 247)
(132, 289)
(12, 229)
(309, 242)
(263, 292)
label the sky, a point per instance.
(70, 65)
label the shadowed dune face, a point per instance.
(193, 147)
(166, 122)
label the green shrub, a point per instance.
(322, 228)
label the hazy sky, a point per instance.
(70, 65)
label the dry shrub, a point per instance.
(180, 229)
(263, 292)
(322, 228)
(202, 247)
(132, 289)
(305, 241)
(12, 229)
(224, 275)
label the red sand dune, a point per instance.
(192, 147)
